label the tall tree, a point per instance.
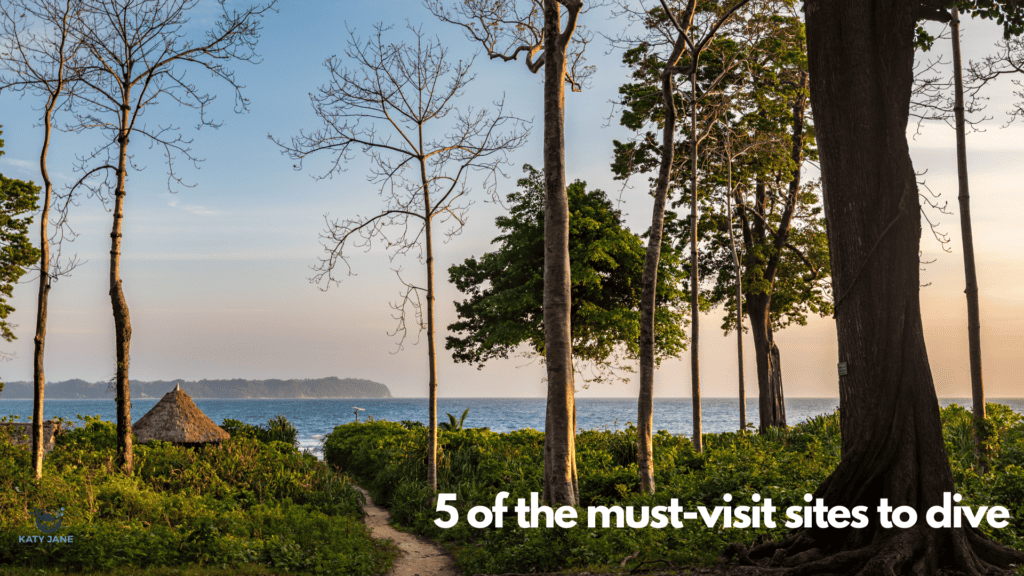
(398, 105)
(506, 28)
(42, 61)
(751, 82)
(861, 57)
(967, 236)
(785, 265)
(504, 310)
(17, 198)
(138, 51)
(685, 38)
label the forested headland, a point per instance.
(237, 388)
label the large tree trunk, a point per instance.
(38, 373)
(122, 323)
(861, 56)
(559, 435)
(970, 273)
(771, 402)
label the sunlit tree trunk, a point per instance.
(122, 323)
(38, 372)
(559, 435)
(698, 435)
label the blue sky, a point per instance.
(216, 276)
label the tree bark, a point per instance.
(739, 296)
(122, 322)
(771, 401)
(559, 435)
(38, 372)
(970, 273)
(649, 280)
(698, 435)
(861, 56)
(431, 348)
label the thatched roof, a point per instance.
(176, 418)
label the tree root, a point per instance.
(917, 551)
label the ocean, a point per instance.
(316, 418)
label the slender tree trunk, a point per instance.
(861, 56)
(559, 436)
(739, 298)
(649, 282)
(970, 274)
(698, 435)
(431, 349)
(122, 323)
(39, 375)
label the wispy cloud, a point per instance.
(22, 164)
(193, 208)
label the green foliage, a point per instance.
(243, 503)
(505, 287)
(277, 429)
(454, 424)
(387, 459)
(751, 78)
(17, 198)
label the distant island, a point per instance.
(332, 387)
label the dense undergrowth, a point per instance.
(388, 459)
(253, 503)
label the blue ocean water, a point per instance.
(316, 418)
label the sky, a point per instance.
(217, 275)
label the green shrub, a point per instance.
(388, 459)
(277, 429)
(244, 502)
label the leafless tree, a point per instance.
(137, 52)
(40, 55)
(398, 104)
(950, 99)
(506, 29)
(1008, 60)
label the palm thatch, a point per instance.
(177, 419)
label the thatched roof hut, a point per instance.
(177, 419)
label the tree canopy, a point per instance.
(505, 287)
(17, 253)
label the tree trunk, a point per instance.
(861, 56)
(122, 323)
(649, 282)
(38, 373)
(771, 402)
(698, 435)
(970, 274)
(739, 295)
(559, 436)
(431, 349)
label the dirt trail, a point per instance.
(420, 557)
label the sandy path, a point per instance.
(420, 557)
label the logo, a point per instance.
(47, 522)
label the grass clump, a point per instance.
(388, 459)
(247, 505)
